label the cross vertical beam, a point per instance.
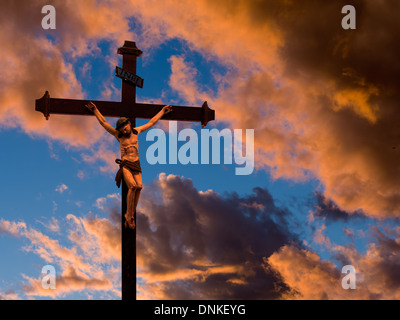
(132, 110)
(129, 54)
(128, 258)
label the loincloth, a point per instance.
(134, 167)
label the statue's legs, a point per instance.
(134, 184)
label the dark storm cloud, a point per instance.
(364, 68)
(326, 208)
(337, 95)
(204, 231)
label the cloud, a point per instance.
(49, 64)
(194, 244)
(102, 203)
(61, 188)
(310, 277)
(52, 224)
(9, 295)
(203, 245)
(327, 209)
(306, 274)
(12, 228)
(69, 281)
(322, 103)
(317, 96)
(81, 174)
(190, 244)
(89, 263)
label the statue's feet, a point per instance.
(129, 222)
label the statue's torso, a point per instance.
(129, 147)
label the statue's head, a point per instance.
(123, 129)
(120, 127)
(122, 122)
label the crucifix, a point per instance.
(129, 108)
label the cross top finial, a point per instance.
(130, 48)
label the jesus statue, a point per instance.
(129, 163)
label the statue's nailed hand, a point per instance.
(91, 106)
(167, 109)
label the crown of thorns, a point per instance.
(121, 123)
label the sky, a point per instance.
(321, 100)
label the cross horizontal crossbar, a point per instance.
(48, 106)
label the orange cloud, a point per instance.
(321, 102)
(91, 264)
(9, 295)
(307, 275)
(287, 77)
(308, 89)
(310, 277)
(70, 281)
(34, 60)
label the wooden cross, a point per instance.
(128, 107)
